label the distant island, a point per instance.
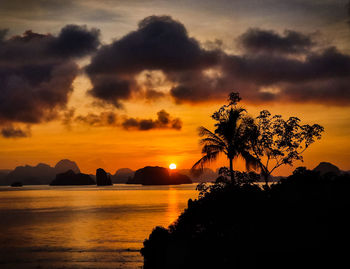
(155, 175)
(17, 184)
(122, 175)
(41, 174)
(102, 178)
(71, 178)
(44, 174)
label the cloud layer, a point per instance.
(159, 43)
(256, 40)
(37, 71)
(163, 121)
(286, 67)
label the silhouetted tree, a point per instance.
(223, 181)
(230, 136)
(300, 222)
(275, 142)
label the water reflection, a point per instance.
(84, 227)
(173, 205)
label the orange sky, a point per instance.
(112, 147)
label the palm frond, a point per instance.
(202, 131)
(212, 141)
(212, 156)
(208, 149)
(250, 161)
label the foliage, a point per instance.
(276, 142)
(301, 222)
(241, 178)
(229, 137)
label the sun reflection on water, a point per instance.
(85, 227)
(173, 210)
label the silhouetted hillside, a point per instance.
(325, 167)
(102, 178)
(155, 175)
(3, 174)
(5, 171)
(31, 175)
(17, 184)
(122, 175)
(65, 165)
(71, 178)
(301, 222)
(42, 174)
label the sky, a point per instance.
(117, 84)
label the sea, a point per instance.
(84, 226)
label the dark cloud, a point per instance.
(257, 40)
(152, 95)
(160, 43)
(75, 41)
(326, 91)
(30, 96)
(151, 81)
(14, 132)
(111, 89)
(272, 67)
(164, 121)
(3, 33)
(67, 117)
(37, 71)
(262, 78)
(268, 70)
(107, 118)
(348, 9)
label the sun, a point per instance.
(172, 166)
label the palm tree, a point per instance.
(230, 136)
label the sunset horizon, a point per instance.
(151, 134)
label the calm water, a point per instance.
(83, 227)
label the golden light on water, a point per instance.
(172, 166)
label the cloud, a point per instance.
(3, 33)
(111, 119)
(57, 11)
(348, 9)
(159, 43)
(164, 121)
(37, 72)
(152, 95)
(14, 132)
(257, 40)
(271, 67)
(107, 118)
(75, 41)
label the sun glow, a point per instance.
(172, 166)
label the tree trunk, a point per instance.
(265, 174)
(231, 171)
(266, 178)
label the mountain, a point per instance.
(5, 171)
(3, 174)
(102, 178)
(122, 175)
(65, 165)
(71, 178)
(325, 167)
(42, 174)
(31, 175)
(155, 175)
